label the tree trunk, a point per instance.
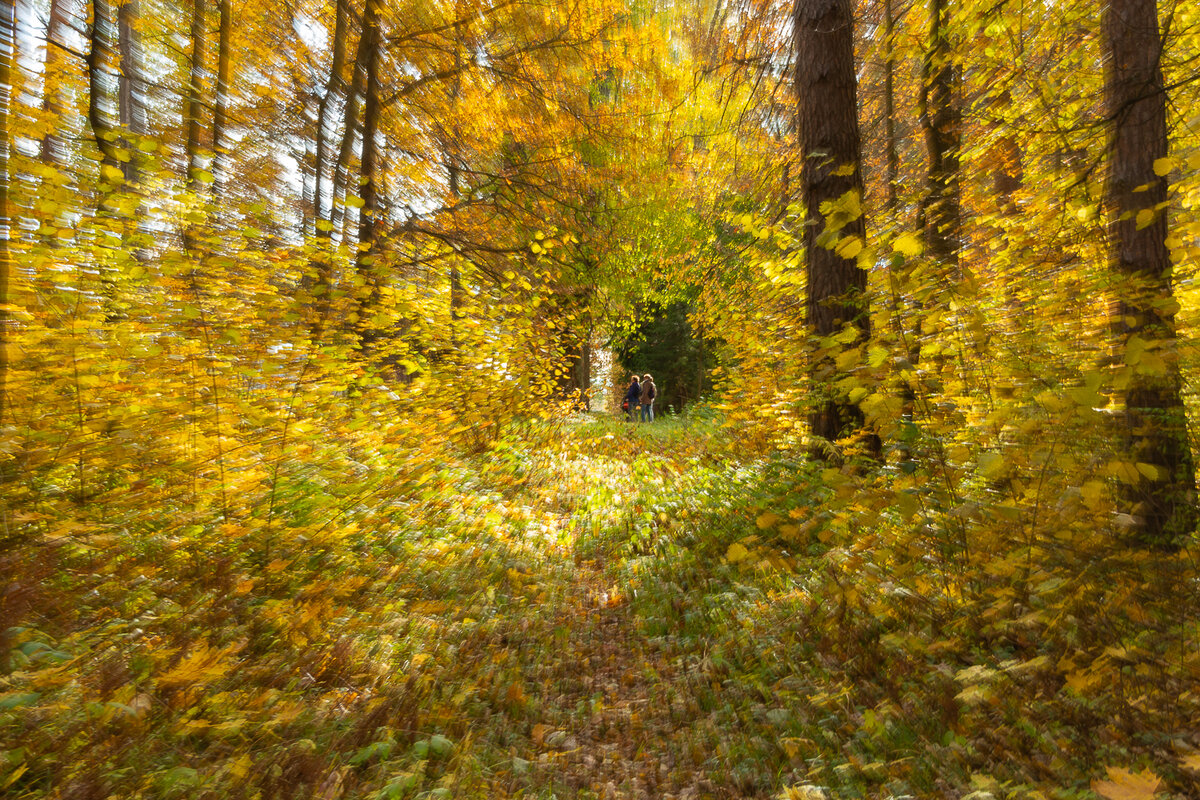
(195, 94)
(8, 46)
(341, 174)
(221, 107)
(366, 262)
(53, 71)
(99, 59)
(942, 125)
(131, 90)
(889, 104)
(193, 104)
(452, 167)
(1154, 423)
(826, 90)
(335, 85)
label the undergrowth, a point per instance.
(589, 608)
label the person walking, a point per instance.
(633, 397)
(646, 398)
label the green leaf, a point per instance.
(440, 746)
(18, 699)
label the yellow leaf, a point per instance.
(202, 665)
(1145, 218)
(992, 465)
(1125, 785)
(1081, 680)
(1092, 491)
(736, 553)
(1150, 471)
(766, 520)
(1162, 166)
(849, 247)
(908, 245)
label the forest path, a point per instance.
(612, 709)
(612, 712)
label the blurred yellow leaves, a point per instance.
(202, 665)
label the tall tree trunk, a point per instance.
(826, 90)
(131, 89)
(1154, 423)
(351, 127)
(898, 273)
(334, 86)
(452, 167)
(8, 46)
(132, 113)
(99, 61)
(192, 109)
(53, 71)
(221, 107)
(368, 219)
(194, 102)
(889, 104)
(942, 124)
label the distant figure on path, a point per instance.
(633, 396)
(649, 392)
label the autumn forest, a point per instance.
(316, 317)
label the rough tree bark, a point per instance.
(826, 90)
(1153, 423)
(942, 125)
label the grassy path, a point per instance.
(614, 710)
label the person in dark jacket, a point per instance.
(633, 397)
(646, 400)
